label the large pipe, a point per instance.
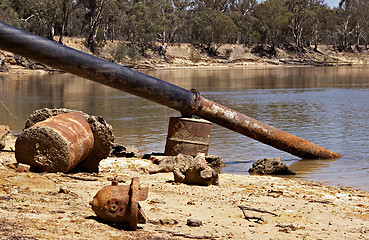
(187, 102)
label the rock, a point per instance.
(286, 228)
(23, 167)
(4, 131)
(194, 222)
(64, 189)
(127, 152)
(163, 221)
(270, 166)
(169, 163)
(195, 171)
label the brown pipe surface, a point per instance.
(56, 144)
(260, 131)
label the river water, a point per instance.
(328, 106)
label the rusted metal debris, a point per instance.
(102, 134)
(119, 203)
(59, 140)
(187, 102)
(260, 131)
(187, 136)
(56, 144)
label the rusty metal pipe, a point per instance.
(260, 131)
(187, 102)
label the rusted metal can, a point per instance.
(56, 144)
(188, 136)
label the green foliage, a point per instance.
(134, 54)
(302, 22)
(119, 52)
(195, 57)
(210, 26)
(255, 37)
(274, 18)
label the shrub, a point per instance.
(134, 54)
(228, 52)
(195, 57)
(119, 52)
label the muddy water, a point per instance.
(328, 106)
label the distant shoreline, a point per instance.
(180, 56)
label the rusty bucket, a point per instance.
(188, 136)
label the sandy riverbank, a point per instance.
(32, 206)
(189, 56)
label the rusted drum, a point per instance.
(56, 144)
(188, 136)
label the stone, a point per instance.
(270, 166)
(195, 171)
(4, 131)
(194, 222)
(119, 150)
(23, 167)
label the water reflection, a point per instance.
(328, 106)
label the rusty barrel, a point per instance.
(56, 144)
(188, 136)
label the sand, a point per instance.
(56, 206)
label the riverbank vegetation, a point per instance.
(296, 24)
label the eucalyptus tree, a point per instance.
(301, 12)
(94, 12)
(346, 11)
(273, 17)
(211, 23)
(8, 14)
(321, 24)
(242, 14)
(175, 16)
(142, 22)
(66, 8)
(359, 20)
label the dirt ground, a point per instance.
(56, 206)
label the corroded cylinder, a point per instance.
(56, 144)
(187, 136)
(119, 203)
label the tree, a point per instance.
(142, 22)
(94, 13)
(346, 13)
(210, 26)
(300, 13)
(8, 14)
(273, 19)
(242, 15)
(322, 23)
(65, 11)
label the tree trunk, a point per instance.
(51, 32)
(64, 22)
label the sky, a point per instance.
(332, 3)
